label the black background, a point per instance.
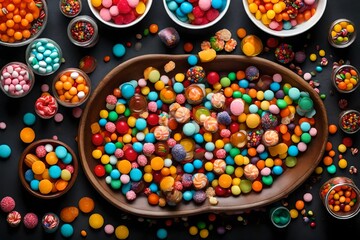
(257, 224)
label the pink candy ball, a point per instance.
(7, 204)
(30, 220)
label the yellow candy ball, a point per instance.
(96, 221)
(294, 213)
(157, 163)
(179, 77)
(120, 108)
(342, 148)
(96, 154)
(270, 14)
(322, 53)
(252, 120)
(140, 8)
(342, 163)
(122, 232)
(225, 180)
(159, 85)
(104, 113)
(96, 3)
(105, 159)
(204, 233)
(193, 230)
(235, 190)
(239, 172)
(124, 166)
(239, 160)
(319, 170)
(269, 162)
(131, 121)
(209, 166)
(253, 7)
(313, 57)
(45, 186)
(148, 177)
(65, 175)
(219, 143)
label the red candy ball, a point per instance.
(157, 176)
(234, 127)
(219, 191)
(99, 170)
(130, 154)
(122, 127)
(347, 141)
(97, 139)
(153, 119)
(213, 77)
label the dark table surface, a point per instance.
(256, 224)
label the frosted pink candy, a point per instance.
(119, 153)
(105, 14)
(171, 142)
(40, 151)
(106, 3)
(204, 4)
(180, 99)
(133, 3)
(293, 22)
(109, 229)
(124, 178)
(152, 106)
(302, 146)
(7, 204)
(76, 112)
(148, 148)
(45, 88)
(225, 133)
(237, 107)
(30, 220)
(58, 117)
(307, 197)
(221, 153)
(313, 132)
(114, 11)
(274, 25)
(277, 77)
(142, 160)
(111, 99)
(130, 195)
(110, 127)
(265, 171)
(2, 125)
(274, 109)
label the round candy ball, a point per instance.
(7, 204)
(284, 53)
(5, 151)
(122, 232)
(66, 230)
(30, 220)
(119, 50)
(96, 221)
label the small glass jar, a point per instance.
(251, 45)
(70, 8)
(341, 197)
(83, 31)
(345, 78)
(16, 79)
(342, 33)
(71, 87)
(349, 121)
(43, 56)
(46, 106)
(280, 216)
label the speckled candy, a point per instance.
(30, 220)
(7, 204)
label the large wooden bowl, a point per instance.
(291, 179)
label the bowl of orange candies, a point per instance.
(21, 21)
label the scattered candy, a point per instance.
(122, 232)
(69, 214)
(66, 230)
(30, 220)
(7, 204)
(86, 204)
(13, 218)
(87, 64)
(169, 36)
(5, 151)
(251, 45)
(119, 50)
(2, 125)
(27, 135)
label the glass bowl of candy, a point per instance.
(43, 56)
(71, 87)
(48, 168)
(83, 31)
(31, 21)
(196, 16)
(349, 121)
(345, 78)
(342, 33)
(283, 20)
(16, 79)
(120, 14)
(341, 197)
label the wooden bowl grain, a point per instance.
(286, 183)
(31, 149)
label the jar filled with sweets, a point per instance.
(340, 197)
(83, 31)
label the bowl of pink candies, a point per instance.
(196, 14)
(16, 79)
(285, 18)
(121, 13)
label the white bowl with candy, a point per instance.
(285, 20)
(199, 15)
(122, 14)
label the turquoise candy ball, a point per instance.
(5, 151)
(140, 124)
(66, 230)
(267, 180)
(161, 233)
(293, 151)
(294, 93)
(119, 50)
(67, 159)
(54, 171)
(135, 174)
(192, 59)
(29, 119)
(277, 170)
(61, 151)
(189, 129)
(331, 169)
(127, 90)
(188, 167)
(305, 103)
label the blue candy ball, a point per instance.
(5, 151)
(161, 233)
(54, 171)
(293, 151)
(66, 230)
(119, 50)
(127, 90)
(277, 170)
(188, 167)
(178, 87)
(135, 174)
(192, 60)
(187, 195)
(67, 159)
(189, 129)
(110, 147)
(29, 119)
(115, 174)
(61, 151)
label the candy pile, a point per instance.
(121, 11)
(282, 14)
(196, 12)
(15, 27)
(200, 135)
(49, 168)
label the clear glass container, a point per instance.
(43, 56)
(280, 216)
(83, 31)
(251, 45)
(345, 78)
(70, 8)
(340, 197)
(46, 106)
(16, 79)
(342, 33)
(37, 26)
(349, 121)
(71, 87)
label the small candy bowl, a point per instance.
(184, 13)
(16, 79)
(342, 33)
(70, 8)
(46, 106)
(83, 31)
(345, 78)
(43, 56)
(110, 15)
(341, 197)
(280, 216)
(32, 24)
(48, 168)
(349, 121)
(71, 87)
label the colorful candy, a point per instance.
(46, 106)
(349, 121)
(7, 204)
(83, 31)
(70, 8)
(50, 222)
(342, 33)
(149, 148)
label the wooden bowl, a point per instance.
(133, 69)
(22, 167)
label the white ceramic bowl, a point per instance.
(298, 29)
(188, 25)
(111, 23)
